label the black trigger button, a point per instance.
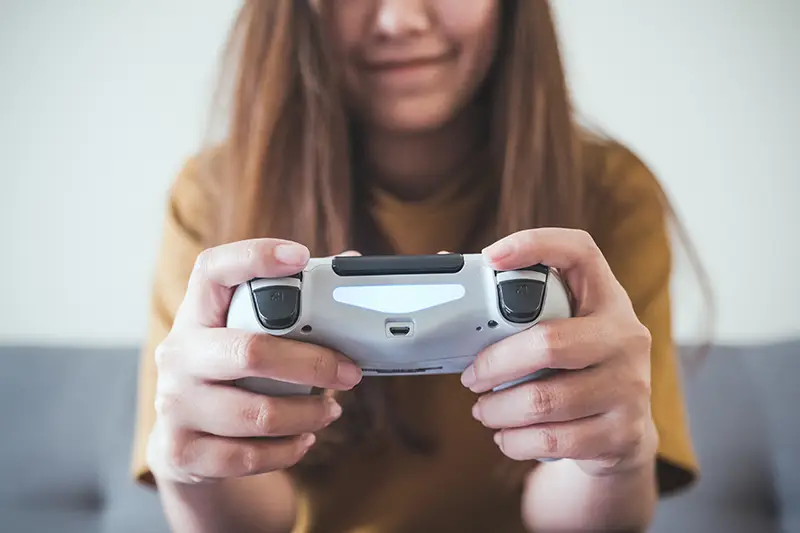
(521, 300)
(278, 306)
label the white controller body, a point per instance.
(398, 315)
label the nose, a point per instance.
(398, 18)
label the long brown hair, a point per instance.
(290, 145)
(289, 151)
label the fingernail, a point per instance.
(292, 254)
(348, 374)
(468, 377)
(308, 439)
(334, 409)
(498, 251)
(476, 412)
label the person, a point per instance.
(412, 127)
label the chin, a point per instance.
(413, 116)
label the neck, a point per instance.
(414, 166)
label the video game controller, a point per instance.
(398, 315)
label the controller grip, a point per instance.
(272, 387)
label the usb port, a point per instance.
(399, 329)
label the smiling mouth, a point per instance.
(407, 65)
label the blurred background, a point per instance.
(101, 101)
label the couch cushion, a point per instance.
(776, 371)
(65, 450)
(741, 401)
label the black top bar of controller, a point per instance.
(376, 265)
(388, 265)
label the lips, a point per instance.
(409, 63)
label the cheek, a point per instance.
(474, 26)
(477, 17)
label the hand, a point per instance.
(597, 412)
(206, 428)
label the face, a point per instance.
(412, 65)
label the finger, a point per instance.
(213, 457)
(559, 344)
(560, 398)
(217, 270)
(573, 251)
(222, 354)
(350, 253)
(584, 439)
(228, 411)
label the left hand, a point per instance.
(598, 411)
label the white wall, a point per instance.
(101, 100)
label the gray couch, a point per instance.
(67, 417)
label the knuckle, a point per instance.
(247, 352)
(637, 433)
(180, 453)
(641, 388)
(526, 238)
(551, 440)
(629, 430)
(160, 354)
(323, 367)
(628, 438)
(202, 262)
(587, 241)
(643, 337)
(247, 459)
(540, 400)
(318, 365)
(164, 352)
(225, 460)
(634, 336)
(250, 250)
(261, 417)
(167, 404)
(259, 254)
(588, 247)
(484, 364)
(552, 340)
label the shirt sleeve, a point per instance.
(181, 242)
(635, 241)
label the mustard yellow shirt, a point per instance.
(383, 488)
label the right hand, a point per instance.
(207, 429)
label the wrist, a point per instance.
(194, 507)
(264, 503)
(618, 499)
